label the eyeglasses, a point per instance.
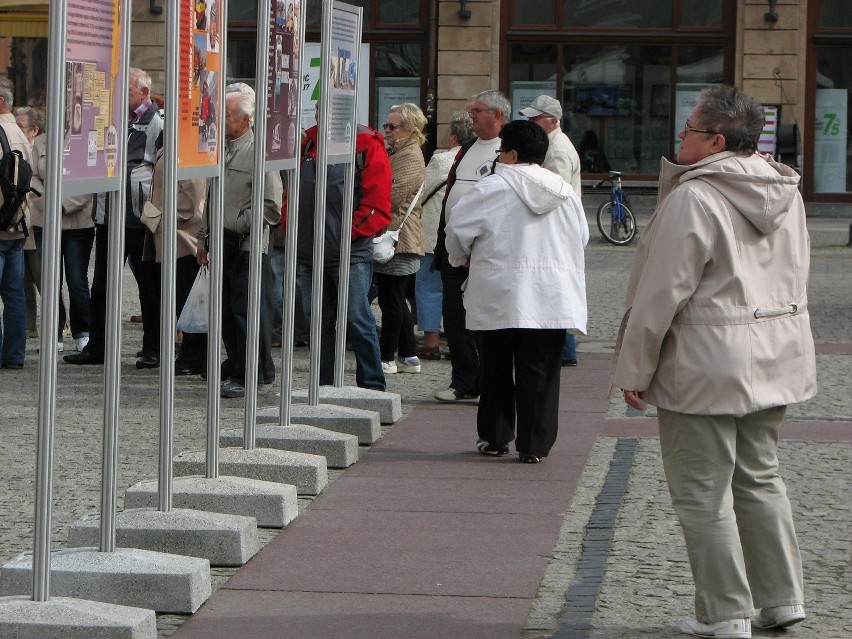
(687, 128)
(476, 111)
(392, 127)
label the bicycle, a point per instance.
(615, 219)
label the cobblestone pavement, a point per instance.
(647, 577)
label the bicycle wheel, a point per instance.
(616, 231)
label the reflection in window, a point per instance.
(242, 11)
(618, 13)
(832, 162)
(397, 77)
(540, 12)
(701, 13)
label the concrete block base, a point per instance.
(272, 505)
(387, 405)
(364, 424)
(224, 540)
(339, 449)
(127, 577)
(65, 618)
(308, 473)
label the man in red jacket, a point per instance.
(371, 214)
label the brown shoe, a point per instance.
(136, 319)
(429, 353)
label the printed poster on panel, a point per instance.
(282, 84)
(199, 75)
(830, 140)
(94, 97)
(342, 78)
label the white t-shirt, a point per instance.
(475, 165)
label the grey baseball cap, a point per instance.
(543, 104)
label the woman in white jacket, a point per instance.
(522, 230)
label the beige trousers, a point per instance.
(722, 472)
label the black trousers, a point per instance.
(193, 348)
(147, 276)
(520, 387)
(462, 342)
(397, 322)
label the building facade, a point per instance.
(626, 71)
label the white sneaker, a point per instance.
(408, 365)
(450, 395)
(60, 346)
(80, 343)
(388, 368)
(731, 629)
(779, 616)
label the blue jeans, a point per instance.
(360, 323)
(13, 331)
(276, 300)
(428, 293)
(569, 351)
(75, 251)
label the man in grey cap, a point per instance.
(561, 156)
(563, 160)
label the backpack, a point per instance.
(15, 176)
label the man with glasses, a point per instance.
(717, 336)
(488, 110)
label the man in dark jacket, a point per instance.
(145, 125)
(371, 215)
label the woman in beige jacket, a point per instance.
(191, 197)
(717, 336)
(404, 135)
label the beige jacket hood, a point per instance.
(717, 315)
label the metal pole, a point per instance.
(43, 508)
(112, 321)
(216, 193)
(319, 208)
(257, 223)
(167, 270)
(289, 311)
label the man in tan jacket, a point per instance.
(717, 336)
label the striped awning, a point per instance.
(23, 18)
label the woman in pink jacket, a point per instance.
(717, 336)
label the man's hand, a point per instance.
(636, 399)
(201, 256)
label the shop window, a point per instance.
(832, 161)
(527, 12)
(397, 77)
(835, 14)
(621, 14)
(701, 13)
(396, 12)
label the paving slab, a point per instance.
(359, 616)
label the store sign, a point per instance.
(830, 140)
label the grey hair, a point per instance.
(35, 117)
(412, 119)
(461, 126)
(7, 92)
(143, 80)
(734, 114)
(245, 98)
(497, 101)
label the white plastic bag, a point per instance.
(193, 317)
(384, 246)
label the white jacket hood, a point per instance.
(762, 190)
(541, 190)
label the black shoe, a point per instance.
(84, 357)
(569, 362)
(140, 353)
(299, 343)
(148, 361)
(266, 380)
(185, 370)
(529, 458)
(231, 389)
(495, 450)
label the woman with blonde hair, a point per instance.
(404, 136)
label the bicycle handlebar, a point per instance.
(608, 180)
